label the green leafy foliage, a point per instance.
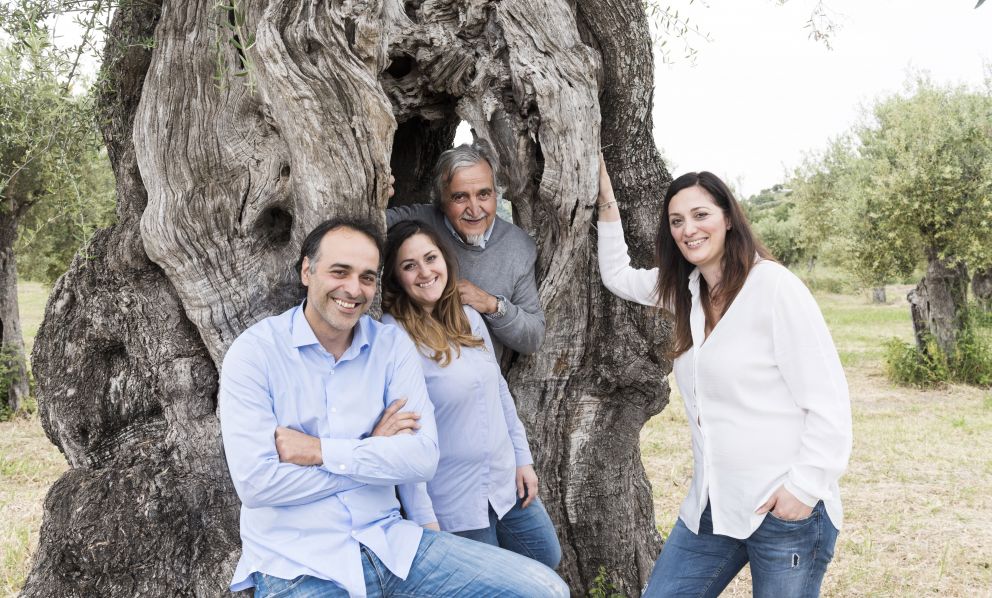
(771, 213)
(838, 221)
(969, 363)
(9, 370)
(917, 174)
(238, 36)
(602, 587)
(925, 172)
(55, 179)
(909, 365)
(55, 230)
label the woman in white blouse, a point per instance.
(765, 395)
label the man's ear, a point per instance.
(305, 271)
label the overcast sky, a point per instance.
(761, 92)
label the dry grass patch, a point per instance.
(918, 492)
(31, 298)
(29, 465)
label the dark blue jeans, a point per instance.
(524, 531)
(788, 558)
(446, 566)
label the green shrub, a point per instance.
(602, 587)
(828, 283)
(780, 237)
(7, 373)
(907, 365)
(969, 363)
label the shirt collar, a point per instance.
(485, 237)
(694, 282)
(303, 335)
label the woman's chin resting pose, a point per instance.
(765, 395)
(485, 487)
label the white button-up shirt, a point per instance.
(765, 394)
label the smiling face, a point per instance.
(469, 201)
(699, 228)
(341, 284)
(421, 271)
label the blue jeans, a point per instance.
(524, 531)
(788, 558)
(445, 566)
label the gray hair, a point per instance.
(463, 156)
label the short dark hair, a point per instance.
(311, 245)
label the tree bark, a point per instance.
(981, 288)
(217, 188)
(878, 294)
(938, 303)
(12, 359)
(127, 391)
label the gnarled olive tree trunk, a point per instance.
(217, 187)
(981, 288)
(13, 371)
(938, 304)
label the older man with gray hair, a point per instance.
(495, 258)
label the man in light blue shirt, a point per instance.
(323, 411)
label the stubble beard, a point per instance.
(337, 320)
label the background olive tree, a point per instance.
(53, 179)
(911, 187)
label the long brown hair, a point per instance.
(446, 327)
(740, 248)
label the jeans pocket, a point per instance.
(268, 586)
(800, 520)
(783, 546)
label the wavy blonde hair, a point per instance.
(446, 329)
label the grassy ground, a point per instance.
(29, 464)
(31, 298)
(918, 492)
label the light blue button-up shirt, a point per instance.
(312, 520)
(481, 438)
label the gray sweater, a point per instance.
(505, 267)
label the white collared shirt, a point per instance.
(765, 394)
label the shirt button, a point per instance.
(354, 534)
(342, 467)
(334, 409)
(332, 372)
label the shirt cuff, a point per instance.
(336, 453)
(505, 320)
(807, 499)
(523, 458)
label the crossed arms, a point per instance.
(275, 466)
